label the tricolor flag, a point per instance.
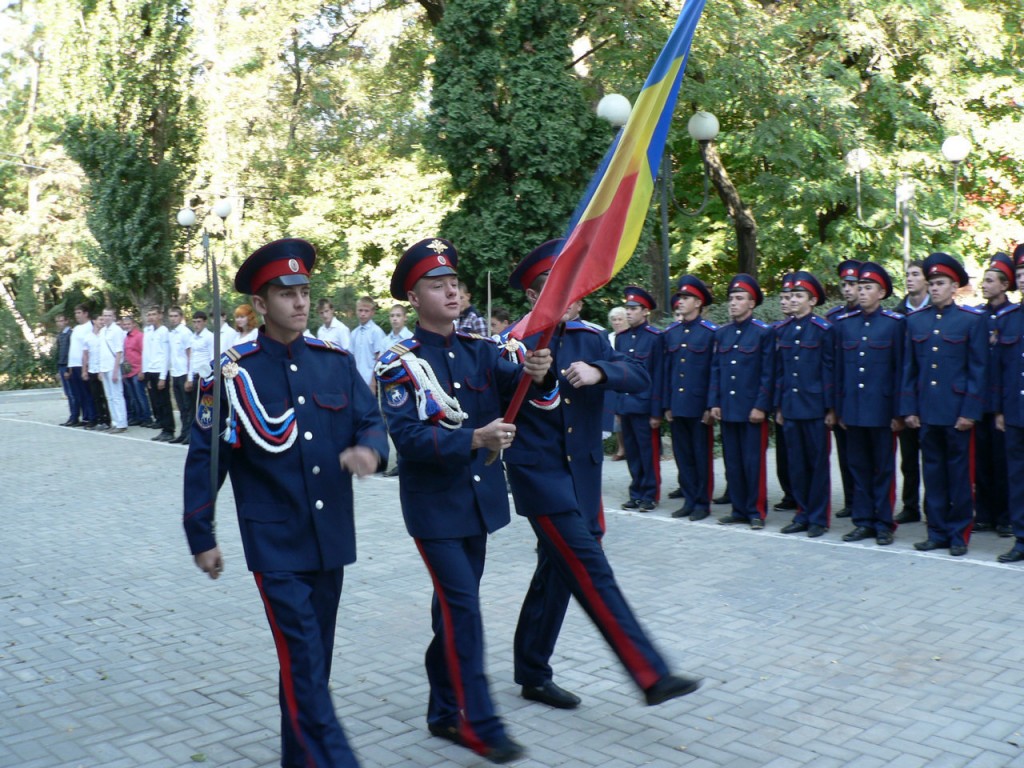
(608, 221)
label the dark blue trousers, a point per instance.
(743, 447)
(1015, 464)
(947, 463)
(642, 456)
(69, 393)
(540, 621)
(692, 442)
(302, 609)
(576, 559)
(85, 410)
(843, 454)
(873, 465)
(809, 448)
(782, 464)
(459, 692)
(910, 468)
(991, 477)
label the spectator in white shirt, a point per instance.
(398, 317)
(332, 330)
(368, 341)
(111, 356)
(91, 375)
(247, 323)
(228, 335)
(202, 348)
(85, 412)
(156, 355)
(180, 338)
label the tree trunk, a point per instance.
(743, 218)
(23, 326)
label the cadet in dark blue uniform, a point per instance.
(804, 403)
(689, 348)
(943, 391)
(991, 510)
(640, 412)
(742, 374)
(301, 422)
(869, 370)
(1009, 389)
(787, 502)
(848, 276)
(554, 468)
(442, 396)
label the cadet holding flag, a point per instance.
(301, 423)
(943, 392)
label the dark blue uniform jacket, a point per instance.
(743, 369)
(689, 350)
(869, 367)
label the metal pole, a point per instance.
(666, 176)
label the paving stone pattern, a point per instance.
(115, 652)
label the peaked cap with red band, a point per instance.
(849, 270)
(1003, 264)
(433, 257)
(787, 282)
(805, 281)
(537, 262)
(638, 297)
(943, 265)
(870, 272)
(693, 286)
(282, 262)
(747, 284)
(1018, 255)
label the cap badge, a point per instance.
(437, 246)
(442, 260)
(293, 265)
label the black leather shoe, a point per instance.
(682, 512)
(908, 516)
(928, 546)
(1013, 556)
(699, 514)
(504, 751)
(631, 504)
(178, 439)
(794, 528)
(90, 425)
(756, 524)
(671, 687)
(445, 731)
(786, 505)
(551, 694)
(957, 550)
(844, 512)
(647, 506)
(982, 527)
(815, 531)
(732, 520)
(723, 499)
(1004, 531)
(163, 437)
(71, 423)
(859, 534)
(883, 538)
(676, 494)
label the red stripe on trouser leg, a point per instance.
(971, 467)
(451, 654)
(711, 463)
(637, 665)
(656, 453)
(285, 661)
(600, 517)
(828, 464)
(892, 484)
(762, 479)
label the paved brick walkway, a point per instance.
(115, 651)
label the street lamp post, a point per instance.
(703, 128)
(187, 218)
(954, 149)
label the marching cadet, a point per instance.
(1009, 373)
(441, 393)
(554, 468)
(991, 481)
(943, 392)
(804, 402)
(291, 470)
(640, 412)
(869, 368)
(689, 349)
(910, 439)
(849, 272)
(742, 372)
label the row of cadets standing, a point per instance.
(804, 403)
(740, 397)
(1008, 374)
(640, 412)
(869, 367)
